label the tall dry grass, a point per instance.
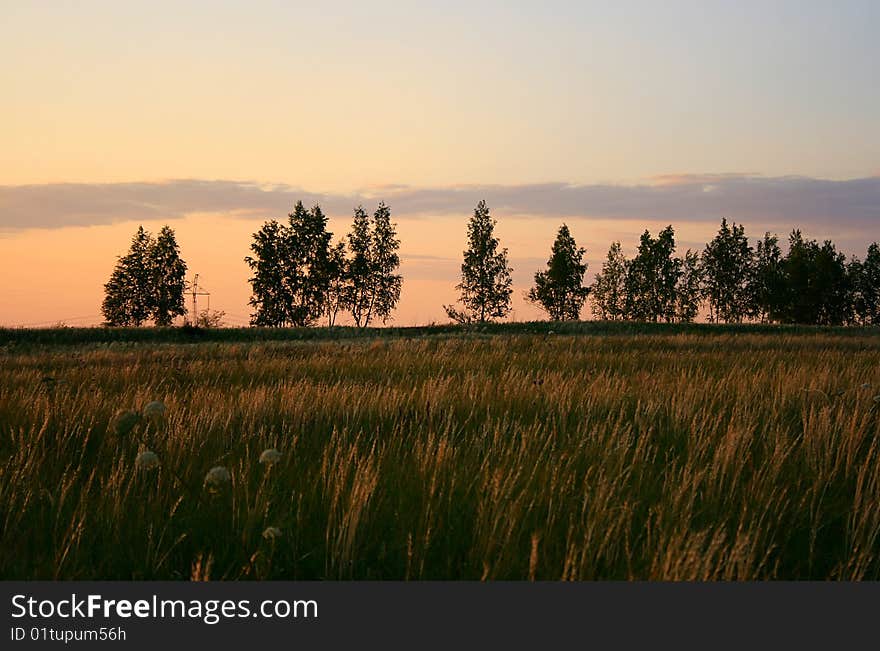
(689, 456)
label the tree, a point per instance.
(292, 269)
(337, 289)
(689, 291)
(727, 262)
(767, 284)
(652, 277)
(115, 307)
(129, 296)
(373, 284)
(360, 268)
(609, 288)
(168, 277)
(386, 282)
(855, 277)
(832, 284)
(306, 264)
(210, 319)
(817, 289)
(559, 290)
(269, 291)
(797, 305)
(865, 283)
(485, 286)
(870, 285)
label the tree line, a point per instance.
(811, 283)
(734, 282)
(300, 277)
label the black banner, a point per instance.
(430, 615)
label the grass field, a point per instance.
(509, 453)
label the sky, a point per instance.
(612, 117)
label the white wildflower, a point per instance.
(146, 460)
(154, 411)
(217, 477)
(272, 533)
(270, 456)
(125, 421)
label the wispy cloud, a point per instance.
(673, 198)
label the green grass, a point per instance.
(18, 338)
(601, 451)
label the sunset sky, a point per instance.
(612, 117)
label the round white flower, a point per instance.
(154, 411)
(270, 456)
(272, 533)
(217, 477)
(125, 421)
(146, 460)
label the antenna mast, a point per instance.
(195, 292)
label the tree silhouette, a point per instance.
(652, 277)
(559, 290)
(129, 294)
(147, 283)
(298, 277)
(609, 287)
(373, 282)
(386, 282)
(689, 291)
(865, 283)
(727, 262)
(485, 287)
(817, 289)
(833, 288)
(306, 264)
(870, 285)
(169, 277)
(337, 290)
(767, 284)
(292, 269)
(269, 294)
(360, 268)
(210, 319)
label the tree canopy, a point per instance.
(559, 290)
(486, 283)
(298, 277)
(147, 283)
